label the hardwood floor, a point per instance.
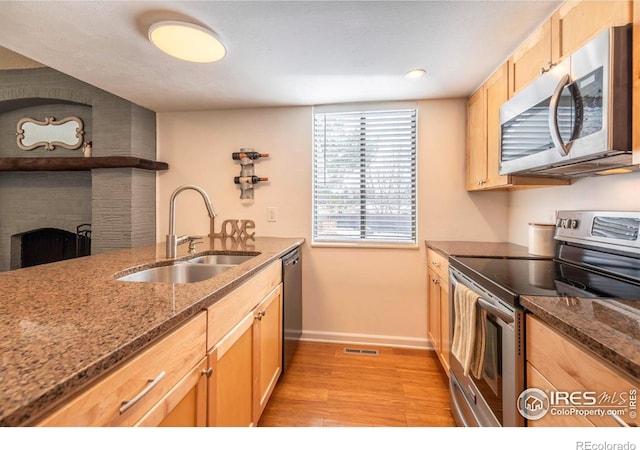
(326, 387)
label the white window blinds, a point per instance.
(364, 177)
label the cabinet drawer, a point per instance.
(438, 263)
(101, 405)
(231, 309)
(570, 368)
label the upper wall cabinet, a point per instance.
(572, 25)
(483, 138)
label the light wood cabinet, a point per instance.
(574, 23)
(557, 363)
(267, 351)
(245, 352)
(438, 305)
(476, 140)
(571, 26)
(483, 139)
(231, 384)
(150, 381)
(532, 56)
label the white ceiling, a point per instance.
(280, 53)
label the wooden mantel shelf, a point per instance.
(73, 164)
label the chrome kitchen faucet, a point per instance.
(172, 240)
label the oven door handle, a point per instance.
(493, 309)
(507, 318)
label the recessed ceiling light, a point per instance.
(186, 41)
(415, 73)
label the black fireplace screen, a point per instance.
(45, 245)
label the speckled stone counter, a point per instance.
(64, 324)
(481, 249)
(609, 328)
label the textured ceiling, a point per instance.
(280, 53)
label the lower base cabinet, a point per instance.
(218, 369)
(246, 365)
(267, 356)
(230, 386)
(557, 364)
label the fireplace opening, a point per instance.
(45, 245)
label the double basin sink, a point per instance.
(192, 270)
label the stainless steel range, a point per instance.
(597, 256)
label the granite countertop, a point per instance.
(609, 328)
(64, 324)
(481, 249)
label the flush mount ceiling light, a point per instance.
(186, 41)
(415, 73)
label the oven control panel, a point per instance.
(612, 229)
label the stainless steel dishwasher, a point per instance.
(292, 305)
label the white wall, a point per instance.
(612, 192)
(350, 295)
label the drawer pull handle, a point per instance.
(152, 383)
(260, 315)
(436, 264)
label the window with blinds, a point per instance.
(364, 177)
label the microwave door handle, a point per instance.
(554, 128)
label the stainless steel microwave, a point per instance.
(575, 119)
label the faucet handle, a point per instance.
(193, 240)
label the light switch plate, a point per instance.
(272, 214)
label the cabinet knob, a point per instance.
(435, 281)
(435, 264)
(260, 315)
(208, 372)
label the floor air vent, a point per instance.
(361, 351)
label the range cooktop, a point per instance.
(544, 277)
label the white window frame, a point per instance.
(359, 242)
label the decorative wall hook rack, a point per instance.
(247, 179)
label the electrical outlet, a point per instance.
(272, 214)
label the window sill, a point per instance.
(394, 246)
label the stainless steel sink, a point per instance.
(177, 273)
(220, 259)
(192, 270)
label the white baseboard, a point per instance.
(367, 339)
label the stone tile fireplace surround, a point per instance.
(118, 203)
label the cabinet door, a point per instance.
(185, 405)
(267, 351)
(497, 92)
(433, 309)
(476, 141)
(576, 22)
(230, 386)
(531, 56)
